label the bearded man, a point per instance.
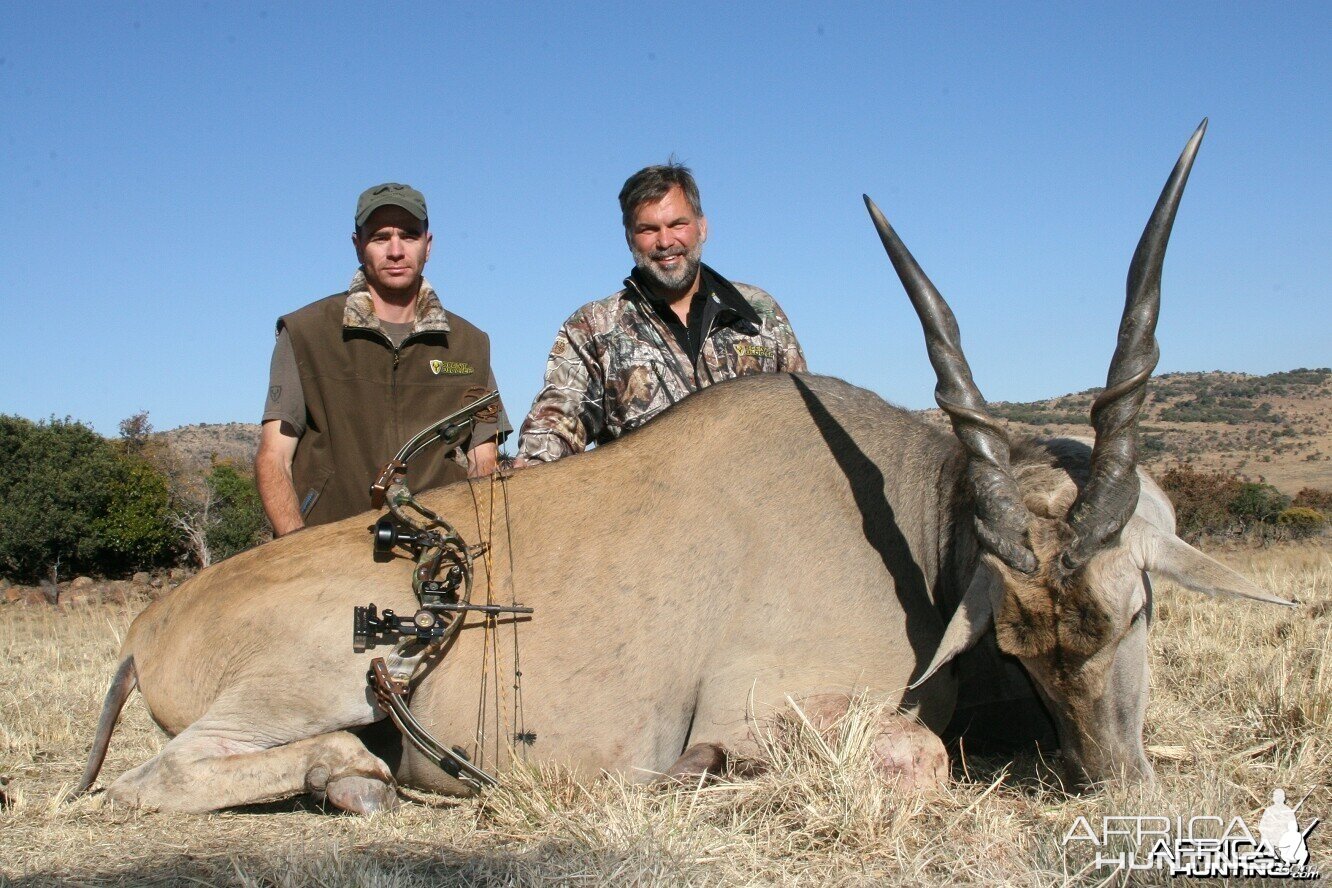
(675, 328)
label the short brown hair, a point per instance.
(652, 182)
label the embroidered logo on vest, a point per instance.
(450, 368)
(745, 349)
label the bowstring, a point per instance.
(485, 640)
(490, 637)
(501, 730)
(520, 720)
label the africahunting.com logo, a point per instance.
(1204, 846)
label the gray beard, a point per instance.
(667, 280)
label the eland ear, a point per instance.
(1170, 558)
(972, 619)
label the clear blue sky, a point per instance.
(177, 175)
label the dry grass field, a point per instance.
(1241, 703)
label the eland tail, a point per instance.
(124, 682)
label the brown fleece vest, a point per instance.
(364, 399)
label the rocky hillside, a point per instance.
(1275, 428)
(202, 445)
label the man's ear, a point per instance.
(702, 229)
(430, 241)
(356, 245)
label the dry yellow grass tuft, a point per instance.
(1240, 705)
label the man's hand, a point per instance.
(482, 459)
(272, 473)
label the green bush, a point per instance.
(134, 532)
(1300, 521)
(72, 502)
(1230, 410)
(1212, 503)
(1152, 445)
(1257, 503)
(240, 521)
(1302, 376)
(1201, 500)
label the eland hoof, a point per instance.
(698, 760)
(360, 795)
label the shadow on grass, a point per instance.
(548, 863)
(1033, 770)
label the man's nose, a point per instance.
(396, 246)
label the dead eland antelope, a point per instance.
(772, 537)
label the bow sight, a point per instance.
(442, 579)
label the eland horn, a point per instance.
(1110, 495)
(1001, 517)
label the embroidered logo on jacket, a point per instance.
(747, 350)
(450, 368)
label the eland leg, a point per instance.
(199, 771)
(908, 753)
(256, 746)
(903, 751)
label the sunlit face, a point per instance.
(393, 246)
(666, 238)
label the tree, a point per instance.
(134, 531)
(240, 514)
(192, 514)
(219, 514)
(71, 498)
(135, 431)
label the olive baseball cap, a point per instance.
(390, 194)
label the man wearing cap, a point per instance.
(675, 328)
(356, 374)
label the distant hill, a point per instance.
(1275, 428)
(200, 445)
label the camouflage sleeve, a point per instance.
(567, 413)
(790, 357)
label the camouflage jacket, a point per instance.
(615, 365)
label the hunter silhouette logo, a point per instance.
(1280, 831)
(450, 368)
